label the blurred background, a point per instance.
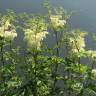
(84, 18)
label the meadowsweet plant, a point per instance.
(34, 68)
(36, 33)
(57, 21)
(8, 31)
(77, 41)
(7, 68)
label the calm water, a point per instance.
(85, 17)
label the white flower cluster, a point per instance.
(35, 36)
(56, 21)
(91, 53)
(94, 72)
(77, 42)
(7, 31)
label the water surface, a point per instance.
(85, 17)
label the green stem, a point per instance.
(56, 66)
(2, 57)
(35, 73)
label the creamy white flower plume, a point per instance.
(6, 32)
(56, 21)
(35, 33)
(91, 53)
(94, 72)
(77, 41)
(7, 24)
(2, 31)
(10, 35)
(34, 39)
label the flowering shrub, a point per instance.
(39, 69)
(8, 31)
(56, 21)
(36, 33)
